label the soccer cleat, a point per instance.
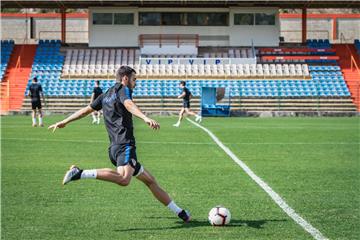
(34, 125)
(73, 174)
(198, 119)
(94, 121)
(176, 125)
(185, 216)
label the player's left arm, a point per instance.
(73, 117)
(131, 107)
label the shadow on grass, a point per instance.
(258, 224)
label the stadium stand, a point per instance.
(47, 65)
(7, 47)
(325, 81)
(318, 43)
(253, 87)
(298, 55)
(231, 53)
(97, 62)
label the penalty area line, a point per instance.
(316, 234)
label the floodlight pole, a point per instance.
(63, 25)
(304, 25)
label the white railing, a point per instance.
(205, 61)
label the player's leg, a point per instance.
(41, 124)
(154, 187)
(121, 177)
(93, 114)
(181, 114)
(191, 113)
(161, 195)
(98, 114)
(120, 156)
(33, 115)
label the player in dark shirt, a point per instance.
(35, 91)
(186, 96)
(118, 108)
(96, 93)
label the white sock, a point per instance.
(173, 207)
(89, 173)
(34, 120)
(94, 118)
(40, 121)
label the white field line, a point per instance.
(316, 234)
(183, 143)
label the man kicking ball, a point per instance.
(186, 96)
(118, 108)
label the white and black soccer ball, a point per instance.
(219, 216)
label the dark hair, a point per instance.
(35, 79)
(97, 82)
(124, 71)
(183, 83)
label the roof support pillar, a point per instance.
(63, 25)
(304, 25)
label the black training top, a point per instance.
(118, 120)
(187, 94)
(35, 89)
(97, 92)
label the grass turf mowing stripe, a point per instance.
(186, 143)
(316, 234)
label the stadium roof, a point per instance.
(181, 3)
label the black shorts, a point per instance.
(186, 104)
(36, 104)
(122, 155)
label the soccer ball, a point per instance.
(219, 216)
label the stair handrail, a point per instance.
(352, 58)
(352, 63)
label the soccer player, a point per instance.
(35, 90)
(186, 96)
(96, 93)
(118, 108)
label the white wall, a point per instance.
(241, 35)
(113, 35)
(350, 28)
(232, 35)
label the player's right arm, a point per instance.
(94, 106)
(73, 117)
(131, 107)
(125, 96)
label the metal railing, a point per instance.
(169, 39)
(353, 66)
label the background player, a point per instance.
(35, 90)
(96, 93)
(118, 108)
(186, 96)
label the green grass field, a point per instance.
(313, 163)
